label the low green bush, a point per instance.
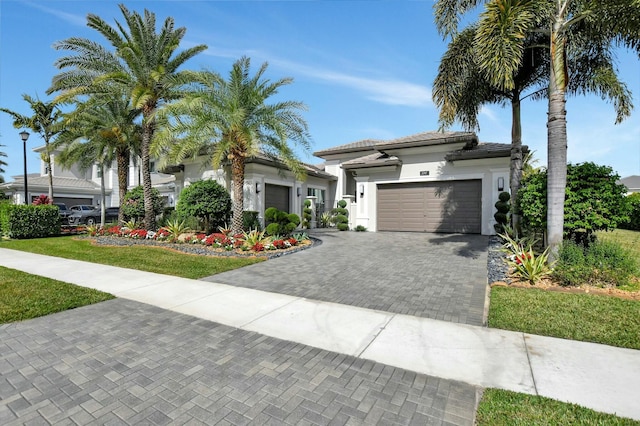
(279, 222)
(634, 217)
(250, 221)
(29, 221)
(601, 263)
(208, 201)
(133, 206)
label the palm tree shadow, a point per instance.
(473, 245)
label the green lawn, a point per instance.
(24, 296)
(144, 258)
(500, 407)
(586, 317)
(626, 238)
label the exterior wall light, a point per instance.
(258, 187)
(361, 189)
(500, 184)
(298, 191)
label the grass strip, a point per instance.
(143, 258)
(501, 407)
(586, 317)
(25, 296)
(626, 238)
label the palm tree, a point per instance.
(2, 162)
(461, 89)
(99, 130)
(588, 30)
(231, 121)
(45, 121)
(144, 63)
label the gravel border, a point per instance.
(497, 268)
(202, 250)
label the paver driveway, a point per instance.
(126, 363)
(438, 276)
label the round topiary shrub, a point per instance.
(307, 214)
(206, 200)
(341, 216)
(501, 216)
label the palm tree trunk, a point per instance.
(516, 159)
(557, 142)
(122, 161)
(237, 174)
(147, 134)
(103, 197)
(48, 154)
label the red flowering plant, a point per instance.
(257, 247)
(138, 234)
(526, 264)
(162, 235)
(42, 200)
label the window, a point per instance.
(98, 171)
(320, 198)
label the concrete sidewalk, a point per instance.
(596, 376)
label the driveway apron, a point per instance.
(437, 276)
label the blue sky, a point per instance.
(363, 68)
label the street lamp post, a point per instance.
(24, 135)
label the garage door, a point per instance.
(276, 196)
(452, 206)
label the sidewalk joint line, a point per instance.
(533, 377)
(375, 336)
(242, 326)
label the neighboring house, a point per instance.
(632, 183)
(428, 182)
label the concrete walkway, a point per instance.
(596, 376)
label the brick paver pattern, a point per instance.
(123, 362)
(438, 276)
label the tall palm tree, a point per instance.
(2, 162)
(231, 121)
(45, 121)
(588, 29)
(144, 63)
(99, 130)
(460, 89)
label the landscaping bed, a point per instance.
(199, 249)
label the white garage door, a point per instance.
(452, 206)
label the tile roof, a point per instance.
(483, 150)
(631, 182)
(418, 139)
(376, 159)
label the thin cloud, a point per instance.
(489, 113)
(77, 20)
(386, 91)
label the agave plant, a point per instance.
(131, 224)
(253, 238)
(175, 228)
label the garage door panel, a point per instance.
(277, 196)
(452, 206)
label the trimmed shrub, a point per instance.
(503, 208)
(279, 222)
(133, 207)
(250, 221)
(29, 221)
(208, 201)
(4, 217)
(307, 214)
(601, 263)
(341, 218)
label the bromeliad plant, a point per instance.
(526, 264)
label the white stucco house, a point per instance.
(427, 182)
